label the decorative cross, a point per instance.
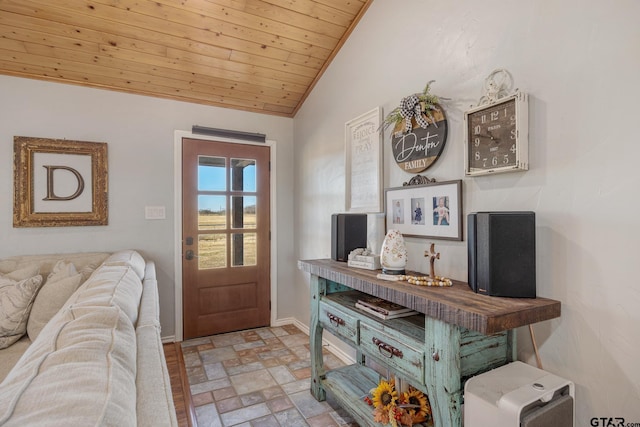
(433, 256)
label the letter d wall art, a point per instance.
(59, 183)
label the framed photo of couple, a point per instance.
(431, 211)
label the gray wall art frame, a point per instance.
(432, 211)
(363, 163)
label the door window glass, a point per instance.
(212, 212)
(212, 173)
(243, 175)
(243, 211)
(243, 247)
(212, 251)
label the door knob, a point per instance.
(189, 255)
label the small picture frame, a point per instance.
(59, 183)
(430, 211)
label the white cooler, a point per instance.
(518, 395)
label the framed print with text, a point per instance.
(363, 163)
(432, 211)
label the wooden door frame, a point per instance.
(177, 182)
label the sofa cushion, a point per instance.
(149, 313)
(153, 380)
(153, 376)
(7, 265)
(16, 299)
(80, 372)
(10, 355)
(61, 270)
(129, 257)
(56, 290)
(82, 261)
(23, 272)
(115, 285)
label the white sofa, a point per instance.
(88, 349)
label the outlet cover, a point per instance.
(154, 212)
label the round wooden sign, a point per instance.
(417, 150)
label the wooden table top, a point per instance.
(457, 304)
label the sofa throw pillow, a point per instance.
(88, 270)
(61, 270)
(16, 298)
(59, 286)
(7, 265)
(24, 272)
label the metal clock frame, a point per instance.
(522, 136)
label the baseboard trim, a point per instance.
(168, 339)
(285, 321)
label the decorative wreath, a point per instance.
(417, 106)
(410, 408)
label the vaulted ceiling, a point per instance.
(254, 55)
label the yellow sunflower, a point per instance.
(385, 395)
(420, 410)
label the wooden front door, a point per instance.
(225, 237)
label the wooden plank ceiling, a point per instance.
(254, 55)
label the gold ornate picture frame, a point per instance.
(59, 183)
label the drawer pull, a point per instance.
(335, 319)
(386, 350)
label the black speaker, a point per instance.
(348, 232)
(471, 251)
(502, 253)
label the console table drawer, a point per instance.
(396, 351)
(338, 322)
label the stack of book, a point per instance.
(383, 309)
(368, 262)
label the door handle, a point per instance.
(189, 255)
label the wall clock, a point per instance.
(497, 136)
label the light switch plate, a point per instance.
(154, 212)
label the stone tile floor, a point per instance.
(258, 378)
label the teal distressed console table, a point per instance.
(457, 334)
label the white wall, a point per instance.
(579, 61)
(140, 135)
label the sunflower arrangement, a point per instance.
(410, 408)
